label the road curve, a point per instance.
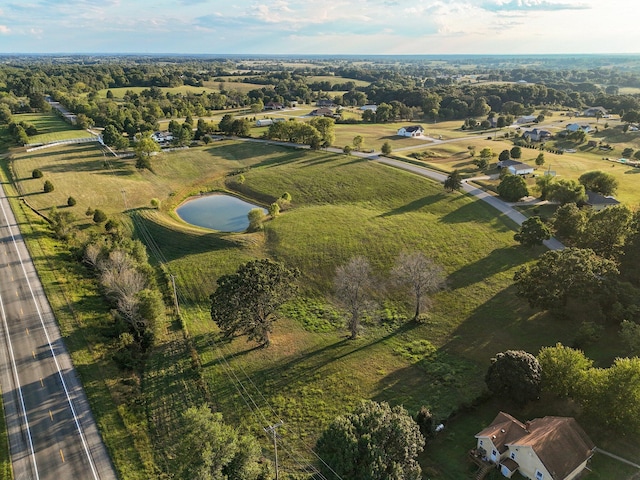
(497, 203)
(52, 433)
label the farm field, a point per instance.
(333, 80)
(209, 87)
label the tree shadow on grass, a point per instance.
(74, 149)
(499, 260)
(313, 162)
(354, 161)
(309, 363)
(506, 322)
(475, 211)
(415, 205)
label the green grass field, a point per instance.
(333, 80)
(50, 127)
(342, 206)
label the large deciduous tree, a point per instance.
(566, 191)
(512, 188)
(599, 182)
(563, 369)
(533, 231)
(453, 181)
(562, 274)
(420, 275)
(605, 231)
(145, 148)
(354, 286)
(516, 374)
(375, 442)
(569, 222)
(246, 302)
(209, 449)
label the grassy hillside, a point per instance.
(341, 207)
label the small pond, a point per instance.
(217, 211)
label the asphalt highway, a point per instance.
(52, 433)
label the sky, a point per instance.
(329, 27)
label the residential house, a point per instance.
(515, 167)
(162, 137)
(274, 106)
(595, 111)
(599, 202)
(537, 135)
(322, 112)
(411, 131)
(526, 119)
(373, 108)
(549, 448)
(574, 127)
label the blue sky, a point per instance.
(319, 26)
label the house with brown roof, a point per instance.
(549, 448)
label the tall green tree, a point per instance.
(566, 191)
(544, 185)
(375, 442)
(569, 223)
(209, 449)
(512, 188)
(606, 230)
(562, 274)
(145, 148)
(563, 369)
(326, 128)
(515, 374)
(533, 231)
(246, 302)
(453, 181)
(599, 182)
(226, 124)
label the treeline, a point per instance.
(411, 90)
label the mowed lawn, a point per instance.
(50, 127)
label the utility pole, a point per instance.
(272, 429)
(175, 294)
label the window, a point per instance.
(513, 455)
(480, 442)
(539, 475)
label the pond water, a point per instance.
(218, 212)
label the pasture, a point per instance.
(342, 206)
(50, 127)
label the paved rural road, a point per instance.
(52, 433)
(500, 205)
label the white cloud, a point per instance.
(4, 30)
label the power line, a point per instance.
(256, 411)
